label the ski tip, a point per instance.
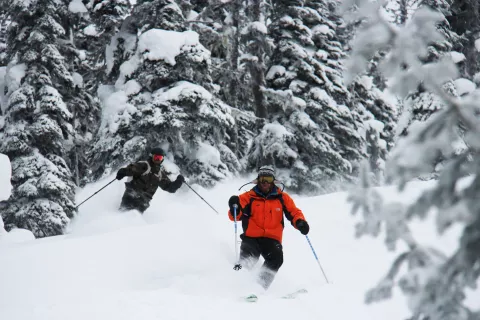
(295, 294)
(251, 298)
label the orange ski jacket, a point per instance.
(263, 216)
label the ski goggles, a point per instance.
(157, 158)
(268, 179)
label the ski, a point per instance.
(254, 298)
(295, 294)
(251, 298)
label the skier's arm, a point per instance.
(292, 213)
(133, 169)
(136, 169)
(170, 186)
(244, 199)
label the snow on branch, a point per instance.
(433, 283)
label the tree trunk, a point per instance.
(403, 11)
(257, 72)
(234, 53)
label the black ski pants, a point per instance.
(134, 200)
(270, 249)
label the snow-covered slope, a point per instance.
(175, 262)
(5, 175)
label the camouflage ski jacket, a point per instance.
(147, 177)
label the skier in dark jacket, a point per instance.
(147, 176)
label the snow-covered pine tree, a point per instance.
(257, 48)
(158, 14)
(162, 98)
(4, 22)
(100, 44)
(107, 16)
(434, 283)
(398, 11)
(37, 131)
(379, 122)
(85, 111)
(464, 20)
(311, 136)
(221, 32)
(80, 52)
(219, 24)
(234, 23)
(420, 104)
(401, 10)
(368, 97)
(105, 37)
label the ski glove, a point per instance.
(122, 173)
(303, 226)
(180, 179)
(177, 183)
(234, 200)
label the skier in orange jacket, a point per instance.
(261, 211)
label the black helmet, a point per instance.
(158, 151)
(157, 155)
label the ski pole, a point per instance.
(96, 192)
(200, 197)
(316, 258)
(235, 206)
(237, 265)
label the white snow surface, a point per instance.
(91, 30)
(23, 3)
(175, 262)
(15, 75)
(192, 15)
(477, 44)
(457, 56)
(375, 125)
(132, 87)
(76, 6)
(259, 26)
(156, 44)
(16, 235)
(77, 79)
(366, 82)
(129, 43)
(275, 71)
(5, 176)
(181, 88)
(464, 86)
(208, 154)
(322, 28)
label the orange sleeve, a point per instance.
(294, 212)
(244, 200)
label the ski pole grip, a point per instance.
(235, 208)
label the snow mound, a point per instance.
(15, 236)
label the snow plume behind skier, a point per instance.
(261, 212)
